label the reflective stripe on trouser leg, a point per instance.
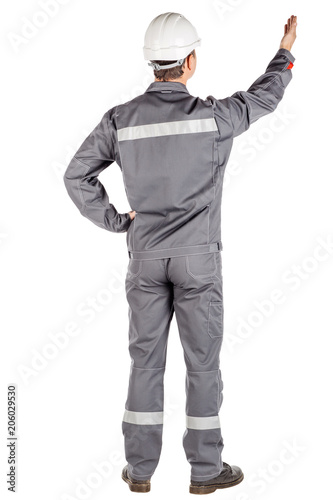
(143, 429)
(198, 304)
(150, 312)
(202, 438)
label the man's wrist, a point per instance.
(286, 52)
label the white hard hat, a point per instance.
(169, 36)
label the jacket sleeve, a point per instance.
(262, 97)
(81, 177)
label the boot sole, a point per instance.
(141, 488)
(203, 490)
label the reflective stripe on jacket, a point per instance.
(172, 149)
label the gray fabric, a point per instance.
(175, 252)
(190, 287)
(172, 180)
(172, 149)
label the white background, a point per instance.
(276, 214)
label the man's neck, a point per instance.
(180, 80)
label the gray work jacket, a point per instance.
(172, 149)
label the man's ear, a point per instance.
(189, 61)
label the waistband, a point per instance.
(175, 252)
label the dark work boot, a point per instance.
(230, 476)
(135, 484)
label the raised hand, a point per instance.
(289, 33)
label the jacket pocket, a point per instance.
(202, 265)
(215, 319)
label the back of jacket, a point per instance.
(168, 151)
(172, 149)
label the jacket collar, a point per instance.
(173, 86)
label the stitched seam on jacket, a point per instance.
(84, 205)
(213, 165)
(79, 183)
(108, 127)
(123, 173)
(272, 81)
(82, 162)
(213, 146)
(263, 88)
(218, 391)
(117, 142)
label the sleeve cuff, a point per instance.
(126, 221)
(286, 53)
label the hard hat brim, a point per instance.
(169, 53)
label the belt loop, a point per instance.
(129, 254)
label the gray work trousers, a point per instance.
(190, 286)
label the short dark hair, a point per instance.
(170, 73)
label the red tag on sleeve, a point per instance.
(290, 65)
